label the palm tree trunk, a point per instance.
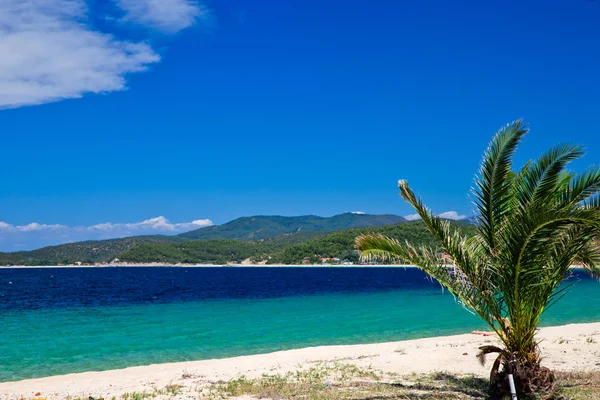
(530, 378)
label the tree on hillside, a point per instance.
(533, 224)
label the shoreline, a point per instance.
(573, 347)
(165, 265)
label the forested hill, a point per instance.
(267, 226)
(341, 244)
(288, 230)
(88, 252)
(278, 250)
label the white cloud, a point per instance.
(34, 226)
(34, 235)
(154, 224)
(357, 212)
(412, 217)
(38, 227)
(445, 215)
(49, 50)
(451, 215)
(165, 15)
(49, 53)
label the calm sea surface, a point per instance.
(56, 321)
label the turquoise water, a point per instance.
(51, 341)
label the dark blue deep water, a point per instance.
(35, 288)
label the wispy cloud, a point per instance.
(49, 50)
(446, 215)
(34, 226)
(34, 235)
(160, 224)
(452, 215)
(166, 15)
(412, 217)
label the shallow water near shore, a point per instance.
(57, 321)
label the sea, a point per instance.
(63, 320)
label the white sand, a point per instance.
(573, 347)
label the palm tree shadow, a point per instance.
(471, 386)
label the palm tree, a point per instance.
(532, 226)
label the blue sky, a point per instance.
(118, 112)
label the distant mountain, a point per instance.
(276, 231)
(280, 250)
(267, 226)
(470, 220)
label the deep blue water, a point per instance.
(36, 288)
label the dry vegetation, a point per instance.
(338, 380)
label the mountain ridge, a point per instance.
(336, 246)
(265, 226)
(253, 228)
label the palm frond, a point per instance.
(450, 239)
(542, 176)
(472, 290)
(582, 187)
(493, 187)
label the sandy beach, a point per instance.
(574, 347)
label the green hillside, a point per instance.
(278, 250)
(262, 227)
(87, 252)
(341, 244)
(219, 251)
